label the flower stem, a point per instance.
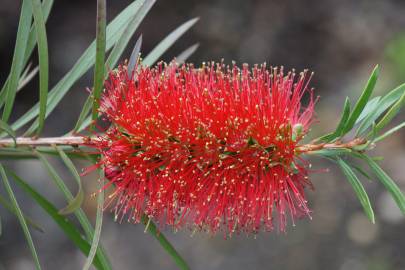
(307, 148)
(79, 140)
(27, 141)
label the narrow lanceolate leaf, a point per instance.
(342, 123)
(43, 61)
(371, 105)
(32, 39)
(361, 103)
(46, 8)
(344, 120)
(142, 8)
(389, 132)
(361, 171)
(389, 184)
(78, 200)
(84, 124)
(20, 216)
(26, 78)
(167, 42)
(331, 152)
(55, 176)
(99, 222)
(79, 213)
(100, 55)
(152, 229)
(6, 128)
(182, 57)
(129, 31)
(134, 58)
(84, 115)
(383, 104)
(24, 73)
(33, 224)
(358, 189)
(68, 228)
(370, 109)
(392, 112)
(122, 42)
(23, 31)
(114, 31)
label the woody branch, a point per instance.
(78, 140)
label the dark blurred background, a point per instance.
(340, 40)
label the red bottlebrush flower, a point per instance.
(212, 148)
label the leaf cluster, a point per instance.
(103, 53)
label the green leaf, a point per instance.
(326, 138)
(361, 171)
(370, 107)
(114, 31)
(331, 152)
(358, 189)
(5, 127)
(362, 101)
(134, 58)
(79, 213)
(129, 31)
(338, 131)
(27, 77)
(68, 228)
(151, 228)
(392, 112)
(99, 222)
(389, 132)
(27, 153)
(78, 200)
(35, 225)
(81, 121)
(167, 42)
(85, 123)
(182, 57)
(387, 182)
(99, 68)
(343, 121)
(23, 31)
(46, 9)
(32, 39)
(384, 103)
(25, 72)
(142, 8)
(43, 61)
(20, 217)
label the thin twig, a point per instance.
(27, 141)
(337, 145)
(79, 140)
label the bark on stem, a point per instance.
(78, 140)
(305, 148)
(27, 141)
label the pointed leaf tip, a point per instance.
(133, 60)
(358, 189)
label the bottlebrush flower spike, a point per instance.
(212, 148)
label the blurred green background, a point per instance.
(340, 40)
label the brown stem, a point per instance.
(26, 141)
(78, 140)
(305, 148)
